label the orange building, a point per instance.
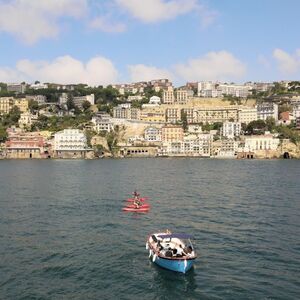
(172, 133)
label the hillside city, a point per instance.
(149, 119)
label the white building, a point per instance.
(216, 89)
(155, 100)
(27, 119)
(102, 123)
(260, 142)
(267, 110)
(39, 86)
(231, 130)
(152, 134)
(78, 101)
(70, 140)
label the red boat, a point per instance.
(144, 205)
(138, 210)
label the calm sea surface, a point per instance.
(63, 234)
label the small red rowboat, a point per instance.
(138, 210)
(144, 205)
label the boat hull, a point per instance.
(175, 265)
(142, 206)
(138, 210)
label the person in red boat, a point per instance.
(136, 202)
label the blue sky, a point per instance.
(113, 41)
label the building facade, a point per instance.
(231, 130)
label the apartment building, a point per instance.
(231, 130)
(267, 110)
(172, 133)
(247, 114)
(152, 134)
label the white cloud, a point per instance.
(264, 61)
(149, 11)
(65, 69)
(32, 20)
(220, 65)
(105, 23)
(287, 63)
(142, 72)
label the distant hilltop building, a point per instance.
(39, 86)
(139, 87)
(210, 89)
(18, 88)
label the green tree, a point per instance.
(184, 120)
(3, 134)
(33, 105)
(256, 127)
(86, 105)
(270, 123)
(70, 102)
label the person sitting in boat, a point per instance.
(137, 203)
(179, 251)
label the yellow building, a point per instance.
(6, 104)
(153, 114)
(22, 104)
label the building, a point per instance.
(70, 143)
(22, 104)
(189, 146)
(168, 96)
(181, 96)
(172, 133)
(22, 144)
(260, 142)
(18, 88)
(6, 104)
(125, 111)
(247, 114)
(267, 110)
(155, 100)
(152, 134)
(231, 130)
(212, 115)
(285, 118)
(39, 86)
(78, 101)
(228, 148)
(155, 114)
(40, 99)
(173, 115)
(212, 89)
(298, 123)
(27, 119)
(102, 123)
(134, 98)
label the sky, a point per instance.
(101, 42)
